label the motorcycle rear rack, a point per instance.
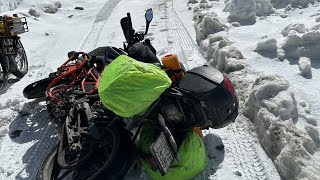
(12, 26)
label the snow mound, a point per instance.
(8, 5)
(192, 1)
(206, 26)
(236, 24)
(273, 110)
(291, 45)
(202, 6)
(227, 59)
(314, 134)
(34, 12)
(210, 45)
(307, 45)
(242, 11)
(300, 28)
(198, 15)
(247, 9)
(50, 8)
(293, 3)
(264, 8)
(221, 55)
(305, 66)
(316, 27)
(281, 54)
(57, 3)
(267, 47)
(227, 6)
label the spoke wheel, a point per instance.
(111, 159)
(18, 61)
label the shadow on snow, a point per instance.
(33, 126)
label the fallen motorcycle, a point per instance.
(13, 59)
(95, 142)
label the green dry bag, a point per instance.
(191, 152)
(128, 87)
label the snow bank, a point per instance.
(292, 3)
(246, 10)
(206, 25)
(8, 5)
(241, 10)
(273, 110)
(300, 28)
(221, 55)
(305, 67)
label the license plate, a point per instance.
(162, 153)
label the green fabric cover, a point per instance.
(128, 87)
(191, 152)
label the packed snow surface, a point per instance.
(279, 81)
(271, 53)
(8, 5)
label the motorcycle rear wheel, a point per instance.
(20, 65)
(115, 167)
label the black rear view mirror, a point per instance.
(149, 17)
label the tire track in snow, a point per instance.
(91, 40)
(178, 38)
(241, 148)
(243, 155)
(240, 153)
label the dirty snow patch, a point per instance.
(273, 109)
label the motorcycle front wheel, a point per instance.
(111, 159)
(37, 89)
